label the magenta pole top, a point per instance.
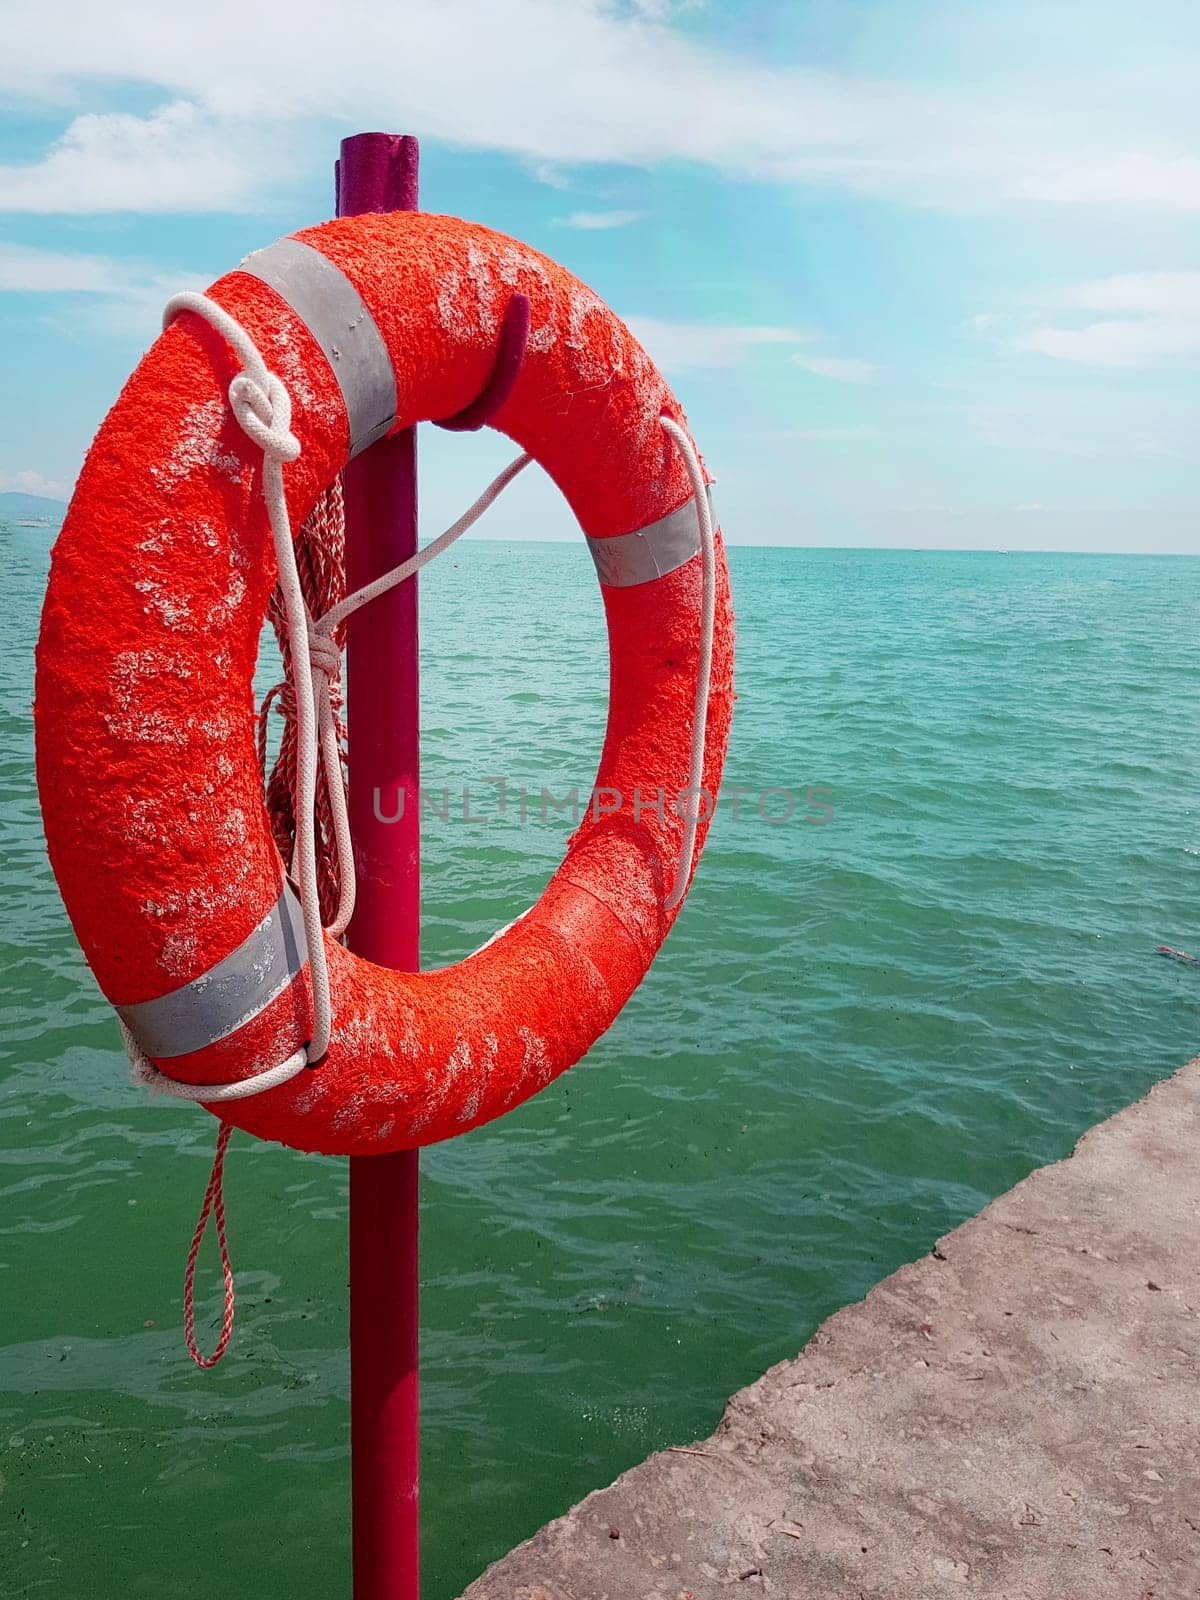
(377, 172)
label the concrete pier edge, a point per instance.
(1015, 1416)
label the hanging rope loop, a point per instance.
(214, 1206)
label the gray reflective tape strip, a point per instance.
(329, 305)
(227, 996)
(651, 552)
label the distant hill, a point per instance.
(16, 508)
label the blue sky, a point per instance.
(922, 273)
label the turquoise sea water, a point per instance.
(861, 1030)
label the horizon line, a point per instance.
(741, 544)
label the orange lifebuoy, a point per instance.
(145, 715)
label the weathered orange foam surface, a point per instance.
(145, 714)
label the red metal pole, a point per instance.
(378, 172)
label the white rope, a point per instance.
(708, 614)
(263, 408)
(336, 615)
(147, 1076)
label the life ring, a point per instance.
(145, 716)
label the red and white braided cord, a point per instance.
(320, 553)
(321, 564)
(214, 1204)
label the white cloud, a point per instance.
(27, 270)
(590, 221)
(676, 346)
(175, 160)
(1117, 342)
(1153, 293)
(116, 296)
(551, 174)
(1155, 318)
(1170, 183)
(679, 345)
(33, 483)
(557, 83)
(842, 369)
(561, 81)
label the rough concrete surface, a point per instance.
(1016, 1416)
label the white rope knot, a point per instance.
(323, 654)
(265, 415)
